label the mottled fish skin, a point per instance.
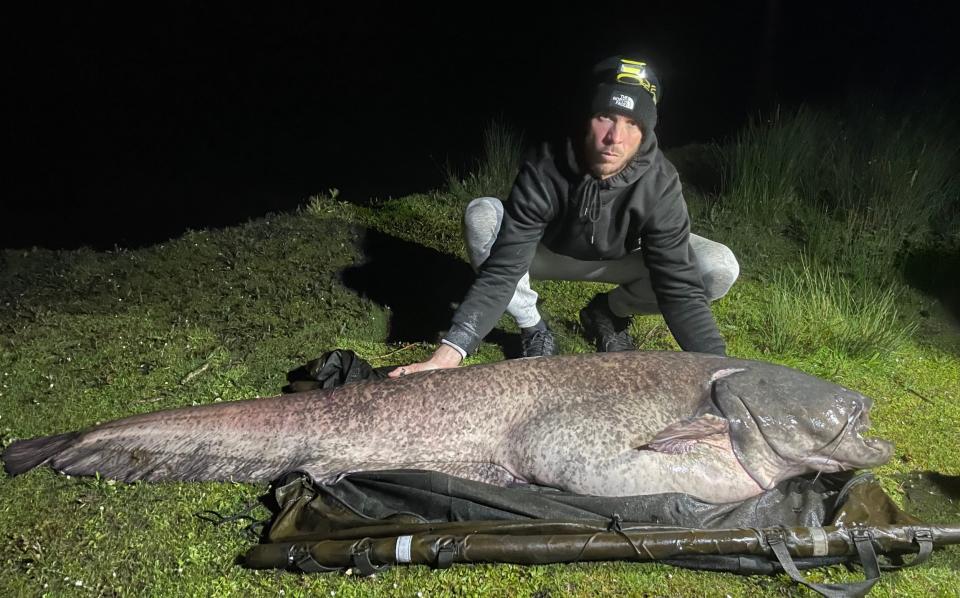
(577, 422)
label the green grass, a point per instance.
(494, 172)
(222, 315)
(854, 187)
(853, 319)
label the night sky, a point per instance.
(130, 125)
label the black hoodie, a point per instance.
(554, 201)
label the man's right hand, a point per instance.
(444, 357)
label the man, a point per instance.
(603, 205)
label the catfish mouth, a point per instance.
(769, 447)
(850, 437)
(871, 451)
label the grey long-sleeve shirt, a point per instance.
(575, 214)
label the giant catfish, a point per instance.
(608, 424)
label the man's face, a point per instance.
(612, 141)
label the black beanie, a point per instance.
(626, 86)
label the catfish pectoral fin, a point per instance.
(680, 437)
(24, 455)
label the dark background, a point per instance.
(127, 126)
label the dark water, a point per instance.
(931, 497)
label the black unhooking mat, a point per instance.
(371, 520)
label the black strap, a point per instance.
(863, 540)
(868, 558)
(360, 559)
(299, 555)
(924, 538)
(445, 554)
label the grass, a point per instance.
(852, 319)
(220, 315)
(855, 188)
(494, 172)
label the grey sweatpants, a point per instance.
(481, 223)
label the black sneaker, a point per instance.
(537, 342)
(607, 330)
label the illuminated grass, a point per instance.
(87, 337)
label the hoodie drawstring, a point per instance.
(590, 206)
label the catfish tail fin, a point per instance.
(24, 455)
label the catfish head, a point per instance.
(785, 423)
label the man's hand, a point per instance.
(444, 357)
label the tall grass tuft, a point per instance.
(494, 173)
(811, 308)
(884, 190)
(854, 189)
(769, 161)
